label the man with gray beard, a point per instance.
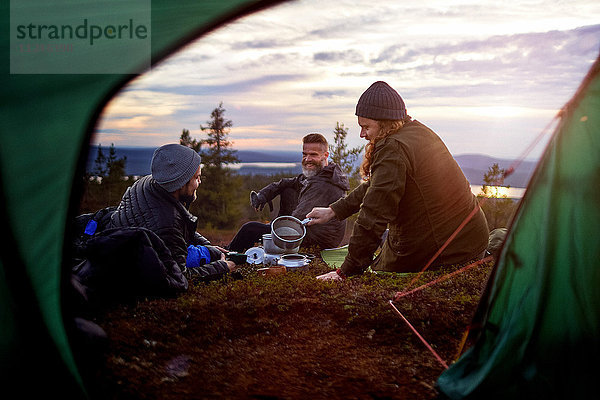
(321, 182)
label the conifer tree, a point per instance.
(111, 179)
(100, 168)
(219, 199)
(344, 157)
(109, 167)
(219, 150)
(498, 208)
(115, 166)
(188, 141)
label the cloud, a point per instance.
(347, 56)
(463, 67)
(111, 131)
(328, 94)
(520, 65)
(230, 87)
(503, 50)
(259, 44)
(270, 63)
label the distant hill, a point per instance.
(247, 156)
(474, 166)
(138, 158)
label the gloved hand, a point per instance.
(197, 256)
(258, 201)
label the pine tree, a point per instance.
(344, 157)
(115, 166)
(498, 208)
(111, 180)
(188, 141)
(219, 199)
(100, 169)
(219, 150)
(109, 167)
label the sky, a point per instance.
(487, 76)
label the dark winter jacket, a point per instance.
(146, 204)
(417, 188)
(327, 186)
(123, 263)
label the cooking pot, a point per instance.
(272, 248)
(294, 262)
(287, 232)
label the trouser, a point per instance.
(251, 232)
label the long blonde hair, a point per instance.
(386, 128)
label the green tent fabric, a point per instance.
(541, 331)
(46, 124)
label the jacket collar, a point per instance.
(167, 196)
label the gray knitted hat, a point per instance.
(173, 165)
(380, 101)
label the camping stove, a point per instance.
(273, 252)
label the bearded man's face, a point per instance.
(314, 158)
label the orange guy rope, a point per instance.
(440, 360)
(532, 145)
(508, 172)
(450, 239)
(443, 278)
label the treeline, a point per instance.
(100, 192)
(223, 196)
(105, 184)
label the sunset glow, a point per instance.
(486, 76)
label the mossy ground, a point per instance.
(288, 337)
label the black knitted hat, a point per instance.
(380, 101)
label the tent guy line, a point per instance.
(436, 355)
(399, 295)
(507, 173)
(499, 182)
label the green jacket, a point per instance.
(419, 191)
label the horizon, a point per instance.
(474, 166)
(299, 152)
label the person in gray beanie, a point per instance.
(160, 203)
(413, 187)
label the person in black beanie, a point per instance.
(412, 185)
(160, 202)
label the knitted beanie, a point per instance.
(380, 101)
(173, 165)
